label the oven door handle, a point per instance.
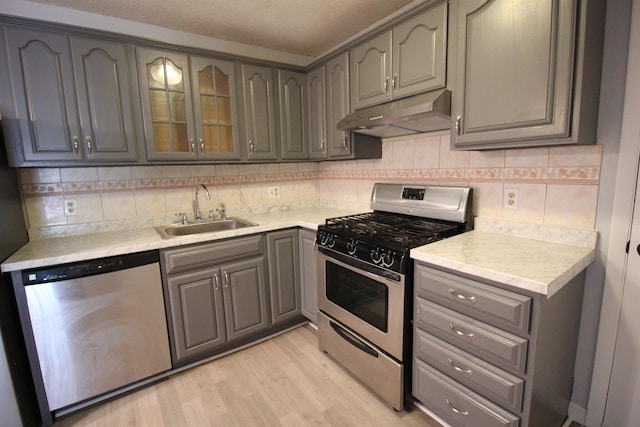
(353, 340)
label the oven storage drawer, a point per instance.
(455, 403)
(203, 255)
(379, 372)
(492, 344)
(500, 386)
(488, 303)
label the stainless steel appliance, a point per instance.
(366, 289)
(97, 326)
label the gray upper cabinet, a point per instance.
(189, 107)
(316, 113)
(284, 274)
(293, 115)
(409, 59)
(337, 103)
(72, 99)
(215, 109)
(260, 120)
(522, 73)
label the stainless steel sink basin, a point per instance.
(176, 230)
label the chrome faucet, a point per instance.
(196, 204)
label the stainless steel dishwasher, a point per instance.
(98, 325)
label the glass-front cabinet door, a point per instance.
(214, 108)
(166, 105)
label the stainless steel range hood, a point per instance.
(416, 114)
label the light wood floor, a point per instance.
(285, 381)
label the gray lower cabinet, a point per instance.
(293, 115)
(309, 274)
(215, 294)
(72, 100)
(488, 354)
(552, 61)
(260, 117)
(284, 274)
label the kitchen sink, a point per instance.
(206, 226)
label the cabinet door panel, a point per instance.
(245, 297)
(45, 97)
(316, 113)
(514, 70)
(308, 275)
(338, 143)
(284, 274)
(197, 313)
(419, 53)
(104, 99)
(371, 68)
(214, 109)
(293, 112)
(167, 111)
(259, 112)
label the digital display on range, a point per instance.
(413, 193)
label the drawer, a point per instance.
(494, 305)
(490, 343)
(501, 387)
(186, 259)
(455, 403)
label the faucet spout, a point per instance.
(196, 203)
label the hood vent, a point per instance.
(426, 112)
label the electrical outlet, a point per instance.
(70, 207)
(511, 198)
(273, 192)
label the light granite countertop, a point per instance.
(59, 250)
(537, 258)
(514, 254)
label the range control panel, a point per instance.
(413, 193)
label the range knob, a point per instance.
(375, 256)
(324, 239)
(352, 247)
(387, 260)
(331, 241)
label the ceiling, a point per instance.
(302, 27)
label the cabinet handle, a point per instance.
(89, 146)
(226, 279)
(459, 369)
(315, 245)
(201, 145)
(394, 81)
(454, 293)
(456, 410)
(345, 141)
(216, 281)
(458, 126)
(386, 85)
(193, 145)
(461, 332)
(322, 145)
(250, 146)
(76, 146)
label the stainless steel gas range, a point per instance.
(366, 279)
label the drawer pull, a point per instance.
(459, 369)
(461, 332)
(456, 410)
(455, 293)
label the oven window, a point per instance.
(361, 296)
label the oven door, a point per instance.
(364, 301)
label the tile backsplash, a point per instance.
(555, 186)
